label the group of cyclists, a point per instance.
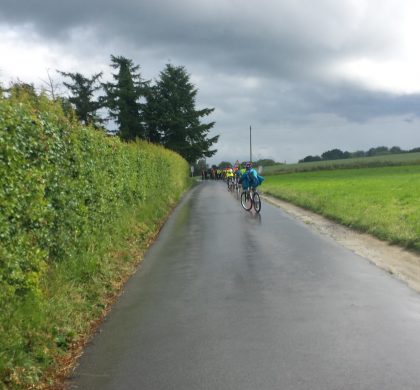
(241, 176)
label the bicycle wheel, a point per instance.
(231, 185)
(246, 200)
(257, 202)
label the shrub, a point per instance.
(63, 188)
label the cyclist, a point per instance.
(239, 173)
(250, 178)
(228, 176)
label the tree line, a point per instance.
(263, 162)
(337, 154)
(201, 164)
(162, 112)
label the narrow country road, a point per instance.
(226, 299)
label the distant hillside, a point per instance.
(337, 154)
(359, 162)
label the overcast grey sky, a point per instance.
(307, 75)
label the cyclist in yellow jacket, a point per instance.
(229, 178)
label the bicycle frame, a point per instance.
(251, 195)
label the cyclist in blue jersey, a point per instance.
(250, 178)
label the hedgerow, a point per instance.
(64, 190)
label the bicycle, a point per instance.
(233, 186)
(251, 198)
(237, 188)
(230, 184)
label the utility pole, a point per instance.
(250, 145)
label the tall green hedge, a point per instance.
(61, 184)
(61, 181)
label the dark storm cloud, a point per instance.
(297, 102)
(269, 40)
(267, 62)
(288, 40)
(354, 104)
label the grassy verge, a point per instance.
(381, 201)
(45, 337)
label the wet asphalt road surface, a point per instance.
(226, 299)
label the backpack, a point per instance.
(260, 179)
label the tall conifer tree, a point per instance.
(172, 119)
(82, 91)
(123, 98)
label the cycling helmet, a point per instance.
(248, 166)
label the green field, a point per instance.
(382, 201)
(361, 162)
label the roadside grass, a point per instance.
(381, 201)
(360, 162)
(45, 337)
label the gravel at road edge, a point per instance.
(401, 263)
